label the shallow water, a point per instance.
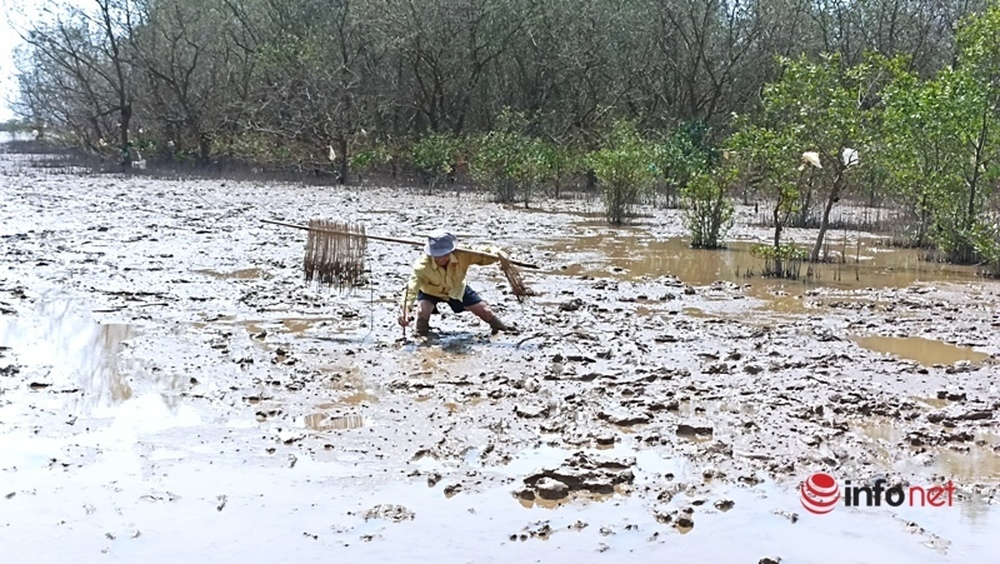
(927, 352)
(132, 504)
(241, 274)
(79, 353)
(631, 256)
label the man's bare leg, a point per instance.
(424, 310)
(483, 311)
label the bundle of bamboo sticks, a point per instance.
(333, 259)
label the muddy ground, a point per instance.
(170, 387)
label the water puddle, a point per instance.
(698, 312)
(347, 507)
(632, 255)
(445, 355)
(976, 464)
(301, 325)
(242, 274)
(926, 352)
(358, 397)
(350, 383)
(433, 359)
(934, 403)
(595, 216)
(975, 461)
(755, 520)
(884, 434)
(73, 351)
(297, 326)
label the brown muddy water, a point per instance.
(171, 390)
(926, 352)
(630, 255)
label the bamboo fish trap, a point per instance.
(335, 255)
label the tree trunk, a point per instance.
(825, 220)
(777, 239)
(204, 149)
(777, 226)
(924, 217)
(342, 168)
(126, 115)
(803, 218)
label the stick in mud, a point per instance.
(406, 299)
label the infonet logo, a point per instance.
(820, 494)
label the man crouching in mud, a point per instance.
(439, 276)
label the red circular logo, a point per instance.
(820, 493)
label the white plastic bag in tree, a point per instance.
(850, 157)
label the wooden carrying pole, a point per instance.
(394, 240)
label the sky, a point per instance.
(8, 40)
(12, 16)
(15, 17)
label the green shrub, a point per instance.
(507, 161)
(434, 156)
(708, 211)
(625, 170)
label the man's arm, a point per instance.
(484, 260)
(410, 294)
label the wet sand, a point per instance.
(170, 387)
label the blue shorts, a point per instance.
(469, 298)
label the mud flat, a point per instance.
(170, 388)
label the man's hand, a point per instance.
(404, 320)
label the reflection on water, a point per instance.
(885, 437)
(979, 463)
(323, 422)
(927, 352)
(80, 352)
(630, 255)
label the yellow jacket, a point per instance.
(445, 283)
